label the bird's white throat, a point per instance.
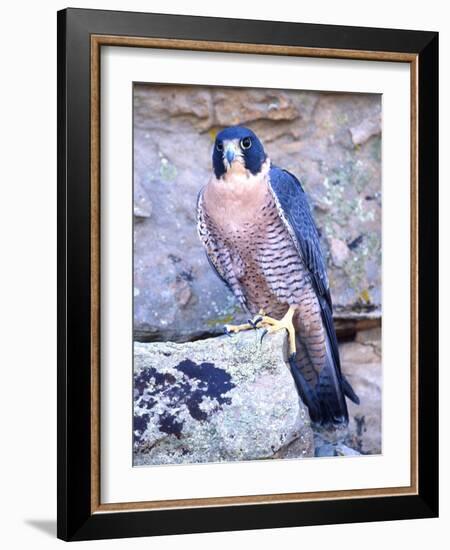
(239, 178)
(237, 196)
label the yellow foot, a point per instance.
(252, 324)
(238, 328)
(270, 325)
(286, 322)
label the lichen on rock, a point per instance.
(214, 400)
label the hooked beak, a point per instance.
(230, 154)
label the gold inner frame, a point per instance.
(97, 41)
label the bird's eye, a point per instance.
(219, 146)
(246, 143)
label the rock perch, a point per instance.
(219, 399)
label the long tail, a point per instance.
(323, 392)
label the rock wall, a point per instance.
(331, 141)
(362, 363)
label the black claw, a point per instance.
(226, 331)
(254, 322)
(264, 332)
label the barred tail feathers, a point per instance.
(325, 395)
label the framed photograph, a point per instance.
(247, 256)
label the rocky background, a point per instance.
(332, 142)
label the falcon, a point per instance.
(259, 235)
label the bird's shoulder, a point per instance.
(284, 181)
(291, 198)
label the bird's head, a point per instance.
(237, 147)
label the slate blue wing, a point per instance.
(293, 206)
(293, 203)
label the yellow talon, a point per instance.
(286, 322)
(270, 324)
(252, 324)
(238, 328)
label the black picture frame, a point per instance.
(76, 520)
